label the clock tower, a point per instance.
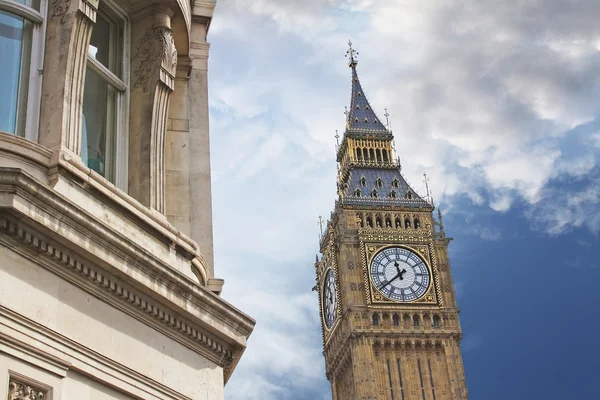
(388, 309)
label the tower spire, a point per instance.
(361, 117)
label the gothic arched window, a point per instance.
(436, 321)
(357, 193)
(374, 193)
(395, 183)
(379, 182)
(396, 320)
(393, 194)
(417, 222)
(375, 319)
(416, 321)
(363, 181)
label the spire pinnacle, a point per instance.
(352, 55)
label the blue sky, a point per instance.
(497, 101)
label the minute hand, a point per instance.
(388, 282)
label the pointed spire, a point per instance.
(361, 116)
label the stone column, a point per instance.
(153, 65)
(200, 180)
(69, 30)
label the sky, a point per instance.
(497, 101)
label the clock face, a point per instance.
(400, 274)
(329, 299)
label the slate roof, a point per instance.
(361, 116)
(387, 177)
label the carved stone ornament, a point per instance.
(21, 391)
(60, 8)
(156, 49)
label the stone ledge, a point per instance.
(80, 234)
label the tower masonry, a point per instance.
(388, 308)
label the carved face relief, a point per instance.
(400, 274)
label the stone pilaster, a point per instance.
(69, 30)
(200, 179)
(153, 66)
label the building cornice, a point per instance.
(123, 272)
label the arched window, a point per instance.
(359, 154)
(365, 154)
(436, 321)
(378, 153)
(384, 153)
(416, 321)
(388, 221)
(379, 182)
(393, 194)
(398, 223)
(372, 154)
(395, 183)
(375, 319)
(363, 181)
(369, 221)
(409, 195)
(374, 193)
(357, 193)
(396, 320)
(417, 222)
(406, 222)
(379, 221)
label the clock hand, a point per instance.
(388, 282)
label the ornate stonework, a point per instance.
(156, 49)
(59, 9)
(22, 391)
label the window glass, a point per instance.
(99, 124)
(103, 46)
(31, 3)
(15, 39)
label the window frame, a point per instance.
(110, 10)
(36, 63)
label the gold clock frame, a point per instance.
(370, 246)
(337, 297)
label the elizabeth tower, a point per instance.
(387, 301)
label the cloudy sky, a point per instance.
(498, 101)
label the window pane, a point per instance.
(15, 37)
(104, 46)
(99, 124)
(31, 3)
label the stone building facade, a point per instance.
(107, 283)
(389, 314)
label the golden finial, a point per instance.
(387, 119)
(352, 55)
(320, 223)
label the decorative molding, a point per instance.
(26, 200)
(218, 352)
(59, 9)
(23, 391)
(89, 8)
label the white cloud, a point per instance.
(483, 96)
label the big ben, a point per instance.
(388, 308)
